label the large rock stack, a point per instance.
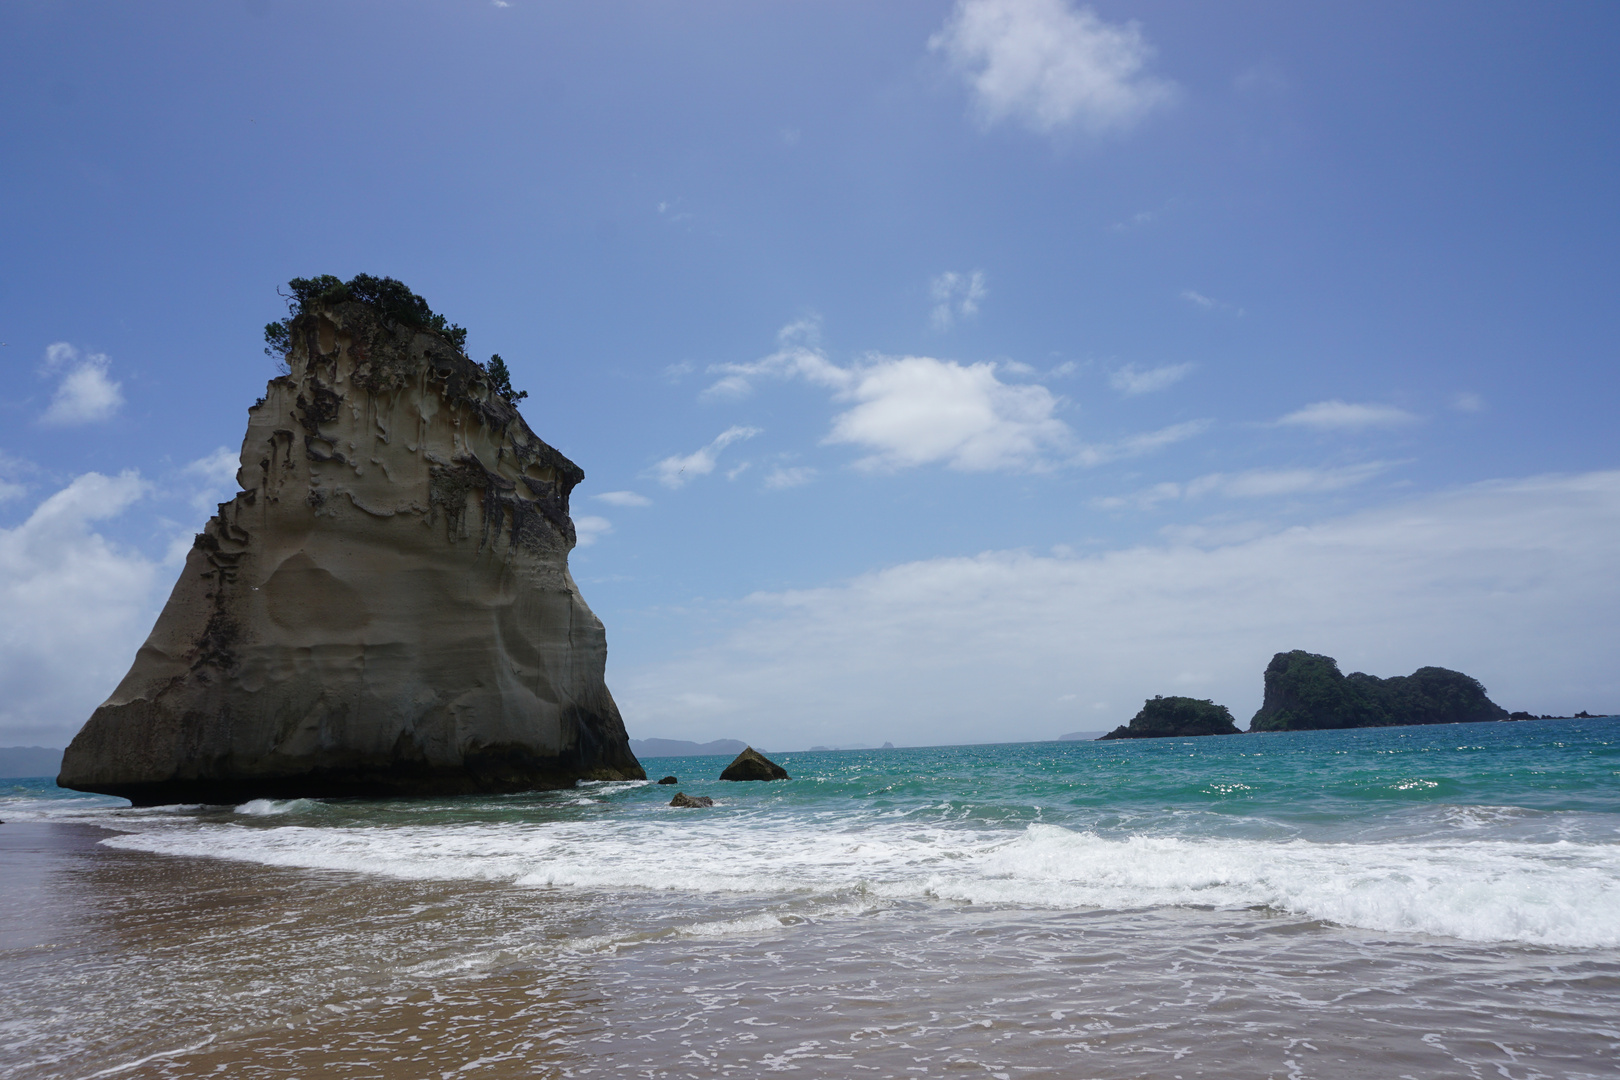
(384, 609)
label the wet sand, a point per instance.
(121, 963)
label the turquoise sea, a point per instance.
(1414, 901)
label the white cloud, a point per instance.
(1512, 582)
(10, 469)
(679, 470)
(588, 529)
(85, 394)
(1049, 65)
(1131, 379)
(798, 356)
(1209, 303)
(915, 410)
(1252, 484)
(76, 608)
(956, 296)
(623, 498)
(1137, 445)
(1338, 415)
(1468, 402)
(782, 477)
(217, 472)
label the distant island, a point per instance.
(651, 748)
(1177, 718)
(1306, 692)
(18, 762)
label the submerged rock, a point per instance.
(385, 608)
(1305, 691)
(1177, 718)
(753, 765)
(683, 799)
(669, 780)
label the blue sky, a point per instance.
(940, 371)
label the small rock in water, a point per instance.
(683, 799)
(753, 765)
(669, 780)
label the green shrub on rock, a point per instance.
(1175, 718)
(389, 296)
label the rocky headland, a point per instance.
(385, 608)
(1175, 718)
(1306, 691)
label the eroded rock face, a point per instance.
(384, 609)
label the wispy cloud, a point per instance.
(1135, 221)
(1049, 65)
(12, 469)
(1468, 402)
(623, 498)
(85, 393)
(1131, 379)
(798, 356)
(216, 478)
(589, 529)
(680, 470)
(956, 296)
(1208, 303)
(784, 477)
(1339, 415)
(1250, 484)
(1138, 445)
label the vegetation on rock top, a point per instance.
(391, 297)
(500, 379)
(393, 300)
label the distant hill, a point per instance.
(651, 748)
(20, 761)
(1077, 736)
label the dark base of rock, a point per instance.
(669, 780)
(753, 765)
(491, 771)
(683, 799)
(341, 786)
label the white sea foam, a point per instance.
(275, 807)
(1558, 894)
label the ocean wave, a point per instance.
(276, 807)
(1554, 894)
